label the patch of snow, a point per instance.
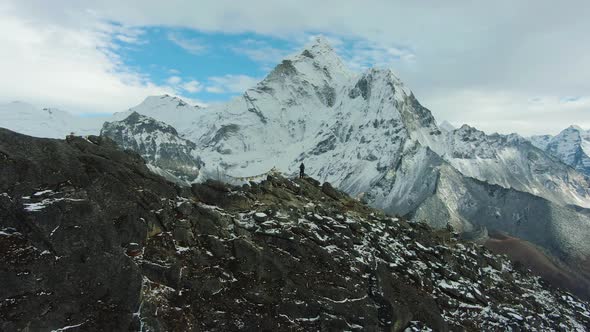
(65, 328)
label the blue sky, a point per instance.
(213, 66)
(203, 66)
(500, 65)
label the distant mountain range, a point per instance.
(368, 135)
(47, 122)
(572, 146)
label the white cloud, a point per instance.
(174, 80)
(508, 111)
(129, 35)
(177, 83)
(260, 51)
(53, 65)
(365, 54)
(191, 45)
(214, 89)
(489, 47)
(192, 86)
(231, 83)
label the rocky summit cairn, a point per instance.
(91, 240)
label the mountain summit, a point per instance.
(322, 56)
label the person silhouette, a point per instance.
(301, 171)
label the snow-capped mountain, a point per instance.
(168, 109)
(46, 122)
(353, 129)
(512, 162)
(368, 134)
(158, 143)
(541, 141)
(572, 146)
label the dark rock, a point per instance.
(260, 216)
(69, 246)
(215, 193)
(331, 191)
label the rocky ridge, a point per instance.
(91, 239)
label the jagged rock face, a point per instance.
(89, 238)
(158, 143)
(572, 146)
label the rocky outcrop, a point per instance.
(68, 212)
(90, 239)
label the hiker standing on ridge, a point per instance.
(301, 171)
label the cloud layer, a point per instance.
(500, 65)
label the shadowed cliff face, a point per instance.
(90, 239)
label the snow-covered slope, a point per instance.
(169, 109)
(158, 143)
(511, 162)
(47, 122)
(541, 141)
(427, 187)
(572, 146)
(346, 127)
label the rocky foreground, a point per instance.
(91, 240)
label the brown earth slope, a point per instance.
(529, 256)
